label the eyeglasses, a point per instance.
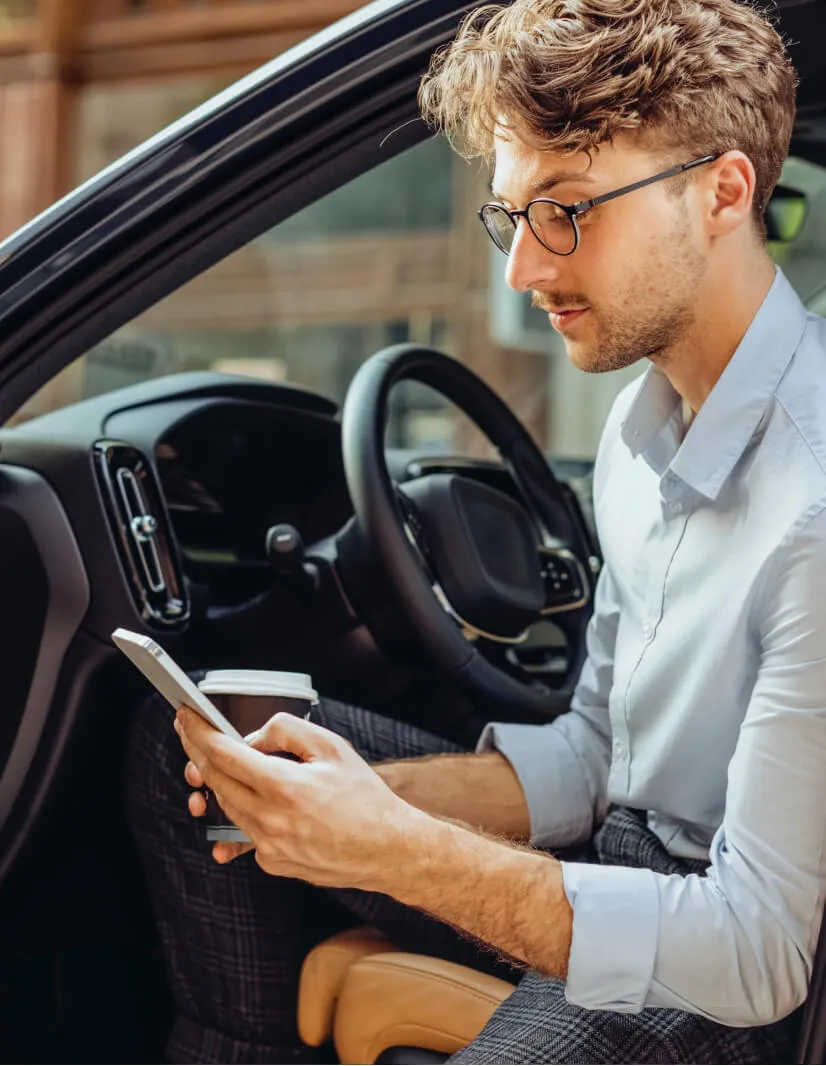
(554, 224)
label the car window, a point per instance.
(396, 255)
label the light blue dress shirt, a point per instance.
(703, 699)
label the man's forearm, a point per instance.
(331, 820)
(508, 896)
(481, 790)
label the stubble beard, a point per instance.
(620, 340)
(654, 311)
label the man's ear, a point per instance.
(729, 193)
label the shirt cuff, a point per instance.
(556, 791)
(614, 945)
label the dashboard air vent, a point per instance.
(142, 530)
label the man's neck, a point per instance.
(688, 417)
(723, 315)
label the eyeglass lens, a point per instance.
(549, 224)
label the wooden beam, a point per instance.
(55, 34)
(19, 106)
(235, 55)
(99, 9)
(221, 22)
(18, 68)
(56, 26)
(16, 38)
(53, 177)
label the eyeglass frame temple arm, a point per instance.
(572, 210)
(672, 172)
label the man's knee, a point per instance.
(155, 760)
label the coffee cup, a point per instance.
(248, 699)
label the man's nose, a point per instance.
(530, 264)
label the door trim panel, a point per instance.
(33, 499)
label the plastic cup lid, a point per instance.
(259, 683)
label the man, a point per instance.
(635, 143)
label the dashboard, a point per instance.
(168, 489)
(232, 470)
(148, 508)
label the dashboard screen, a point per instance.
(231, 471)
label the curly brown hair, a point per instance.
(701, 76)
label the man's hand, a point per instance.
(329, 819)
(480, 790)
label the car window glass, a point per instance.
(396, 255)
(803, 259)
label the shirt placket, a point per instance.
(670, 532)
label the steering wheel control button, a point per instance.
(415, 532)
(564, 579)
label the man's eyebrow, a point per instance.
(539, 188)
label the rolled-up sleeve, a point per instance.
(563, 766)
(738, 944)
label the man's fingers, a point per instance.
(223, 764)
(224, 851)
(197, 804)
(243, 772)
(193, 776)
(287, 732)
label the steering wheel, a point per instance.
(463, 559)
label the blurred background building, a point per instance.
(396, 255)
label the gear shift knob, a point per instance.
(285, 554)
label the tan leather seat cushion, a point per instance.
(322, 976)
(396, 998)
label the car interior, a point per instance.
(208, 405)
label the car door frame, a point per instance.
(313, 119)
(280, 139)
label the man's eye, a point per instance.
(547, 213)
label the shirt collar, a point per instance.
(733, 409)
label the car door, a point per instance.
(256, 154)
(177, 205)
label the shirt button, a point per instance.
(619, 749)
(648, 631)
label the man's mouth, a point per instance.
(561, 319)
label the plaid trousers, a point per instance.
(234, 938)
